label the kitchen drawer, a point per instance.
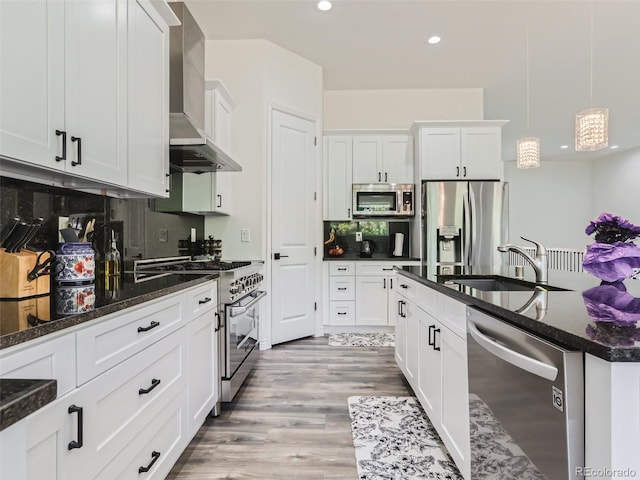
(164, 435)
(123, 334)
(426, 298)
(202, 298)
(368, 268)
(342, 313)
(342, 268)
(452, 314)
(49, 359)
(342, 288)
(119, 407)
(406, 287)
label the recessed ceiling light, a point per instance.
(564, 147)
(433, 40)
(614, 146)
(324, 5)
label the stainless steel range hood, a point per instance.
(191, 150)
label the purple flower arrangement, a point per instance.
(613, 256)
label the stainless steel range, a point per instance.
(239, 298)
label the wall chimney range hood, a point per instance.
(191, 150)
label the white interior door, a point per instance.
(293, 221)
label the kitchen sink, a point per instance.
(500, 284)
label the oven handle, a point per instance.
(529, 364)
(235, 311)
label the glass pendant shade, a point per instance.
(528, 152)
(592, 129)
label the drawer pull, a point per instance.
(77, 443)
(403, 285)
(206, 300)
(387, 269)
(342, 288)
(151, 325)
(154, 458)
(431, 329)
(437, 330)
(342, 269)
(154, 383)
(342, 313)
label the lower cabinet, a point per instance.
(372, 299)
(133, 419)
(432, 354)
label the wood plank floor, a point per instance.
(290, 420)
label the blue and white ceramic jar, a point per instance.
(79, 263)
(70, 299)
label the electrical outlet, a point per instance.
(358, 236)
(163, 235)
(245, 235)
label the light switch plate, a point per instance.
(163, 235)
(245, 235)
(358, 236)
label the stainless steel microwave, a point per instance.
(382, 200)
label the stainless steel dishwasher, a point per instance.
(526, 403)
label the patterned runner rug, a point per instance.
(394, 440)
(362, 340)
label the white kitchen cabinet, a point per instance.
(374, 294)
(382, 159)
(460, 150)
(148, 100)
(338, 158)
(342, 293)
(429, 389)
(71, 109)
(400, 333)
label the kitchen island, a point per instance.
(569, 313)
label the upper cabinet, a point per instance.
(84, 92)
(382, 159)
(376, 157)
(469, 150)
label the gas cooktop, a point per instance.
(160, 266)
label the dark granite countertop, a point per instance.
(19, 398)
(566, 319)
(26, 319)
(375, 258)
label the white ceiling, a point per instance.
(379, 44)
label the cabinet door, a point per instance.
(429, 370)
(198, 194)
(338, 177)
(481, 157)
(32, 81)
(440, 153)
(401, 332)
(371, 300)
(96, 88)
(367, 159)
(413, 343)
(202, 368)
(455, 399)
(148, 100)
(397, 159)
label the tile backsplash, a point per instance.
(140, 230)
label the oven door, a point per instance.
(242, 320)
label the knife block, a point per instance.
(14, 268)
(18, 315)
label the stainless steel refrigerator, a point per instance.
(463, 223)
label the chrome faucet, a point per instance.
(539, 263)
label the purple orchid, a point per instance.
(612, 228)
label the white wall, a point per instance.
(379, 109)
(616, 185)
(257, 73)
(551, 204)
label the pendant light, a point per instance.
(592, 124)
(528, 149)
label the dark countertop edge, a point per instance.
(372, 259)
(547, 332)
(35, 395)
(22, 336)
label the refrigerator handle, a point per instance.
(467, 215)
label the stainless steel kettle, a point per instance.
(367, 248)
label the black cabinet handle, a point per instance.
(77, 443)
(402, 285)
(342, 288)
(464, 171)
(385, 176)
(457, 171)
(437, 330)
(218, 323)
(342, 313)
(348, 212)
(384, 283)
(168, 175)
(400, 309)
(431, 329)
(387, 269)
(391, 284)
(219, 201)
(379, 177)
(154, 383)
(342, 269)
(154, 458)
(64, 145)
(151, 325)
(79, 141)
(206, 300)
